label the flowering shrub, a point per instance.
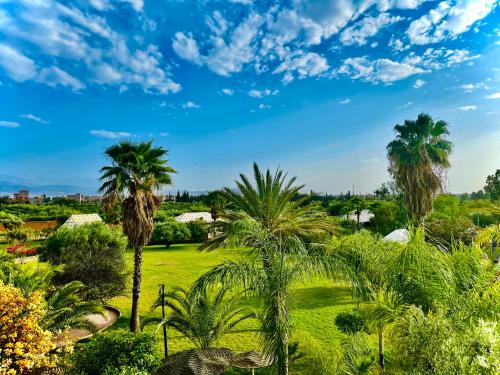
(23, 343)
(20, 249)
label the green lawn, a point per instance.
(315, 302)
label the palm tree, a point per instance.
(271, 219)
(66, 309)
(385, 307)
(417, 159)
(357, 204)
(136, 172)
(269, 273)
(202, 317)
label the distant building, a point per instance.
(80, 219)
(187, 217)
(76, 197)
(22, 196)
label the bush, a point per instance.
(350, 322)
(116, 353)
(10, 221)
(199, 230)
(445, 231)
(386, 217)
(23, 343)
(93, 254)
(168, 232)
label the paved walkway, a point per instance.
(101, 322)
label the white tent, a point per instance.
(364, 216)
(398, 235)
(187, 217)
(77, 220)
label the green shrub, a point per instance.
(169, 232)
(10, 221)
(198, 230)
(358, 357)
(445, 231)
(350, 322)
(484, 220)
(116, 353)
(93, 254)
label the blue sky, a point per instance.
(314, 86)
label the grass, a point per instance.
(315, 303)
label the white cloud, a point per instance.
(98, 53)
(469, 87)
(406, 105)
(468, 108)
(496, 95)
(191, 105)
(244, 2)
(227, 91)
(9, 124)
(303, 65)
(263, 93)
(164, 134)
(398, 45)
(31, 117)
(446, 21)
(110, 134)
(17, 66)
(419, 83)
(186, 47)
(358, 33)
(264, 106)
(380, 70)
(345, 101)
(138, 5)
(55, 76)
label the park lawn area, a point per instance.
(314, 307)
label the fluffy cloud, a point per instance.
(469, 87)
(227, 91)
(419, 83)
(468, 108)
(262, 93)
(55, 76)
(380, 70)
(17, 66)
(446, 21)
(9, 124)
(191, 105)
(496, 95)
(302, 65)
(31, 117)
(345, 101)
(358, 33)
(110, 134)
(186, 47)
(72, 37)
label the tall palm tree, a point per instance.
(202, 317)
(269, 217)
(417, 159)
(136, 172)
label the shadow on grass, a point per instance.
(318, 297)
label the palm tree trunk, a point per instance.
(135, 325)
(381, 347)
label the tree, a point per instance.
(198, 230)
(357, 204)
(169, 232)
(136, 172)
(269, 219)
(24, 343)
(384, 308)
(382, 191)
(91, 253)
(203, 317)
(492, 186)
(417, 159)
